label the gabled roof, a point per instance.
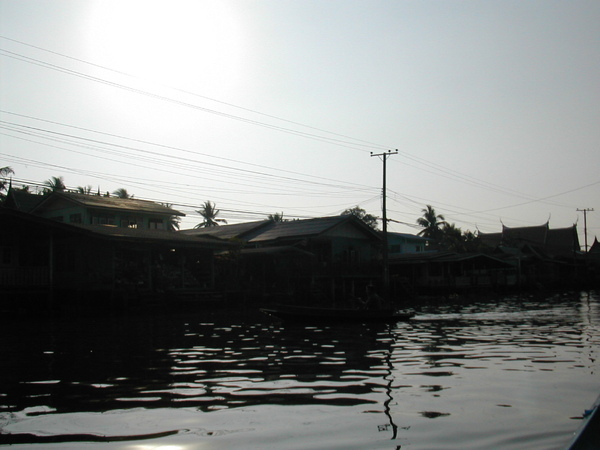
(535, 235)
(562, 241)
(233, 231)
(552, 242)
(22, 200)
(270, 231)
(302, 229)
(107, 203)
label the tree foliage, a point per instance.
(54, 184)
(277, 217)
(209, 213)
(4, 172)
(432, 223)
(122, 193)
(174, 221)
(361, 214)
(84, 189)
(446, 236)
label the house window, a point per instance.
(75, 218)
(156, 224)
(130, 222)
(395, 248)
(103, 220)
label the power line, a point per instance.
(377, 146)
(333, 141)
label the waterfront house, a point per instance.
(88, 263)
(321, 260)
(544, 256)
(402, 243)
(75, 208)
(446, 272)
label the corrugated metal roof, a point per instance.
(299, 228)
(112, 203)
(149, 235)
(237, 230)
(267, 230)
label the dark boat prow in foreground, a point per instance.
(587, 436)
(306, 314)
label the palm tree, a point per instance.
(432, 223)
(54, 184)
(4, 172)
(174, 221)
(122, 193)
(209, 213)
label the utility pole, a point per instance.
(386, 270)
(585, 211)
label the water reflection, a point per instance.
(451, 365)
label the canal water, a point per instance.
(510, 373)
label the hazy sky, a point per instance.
(274, 106)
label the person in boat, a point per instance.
(372, 300)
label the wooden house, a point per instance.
(321, 260)
(402, 243)
(49, 257)
(446, 272)
(544, 256)
(70, 207)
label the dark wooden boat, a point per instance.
(308, 314)
(587, 436)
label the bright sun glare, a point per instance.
(179, 44)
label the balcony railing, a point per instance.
(24, 276)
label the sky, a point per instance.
(283, 106)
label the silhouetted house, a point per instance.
(543, 255)
(22, 200)
(89, 209)
(445, 272)
(88, 263)
(592, 260)
(401, 243)
(327, 258)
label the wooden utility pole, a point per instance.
(585, 211)
(386, 270)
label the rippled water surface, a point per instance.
(511, 373)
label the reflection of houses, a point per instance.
(71, 249)
(330, 257)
